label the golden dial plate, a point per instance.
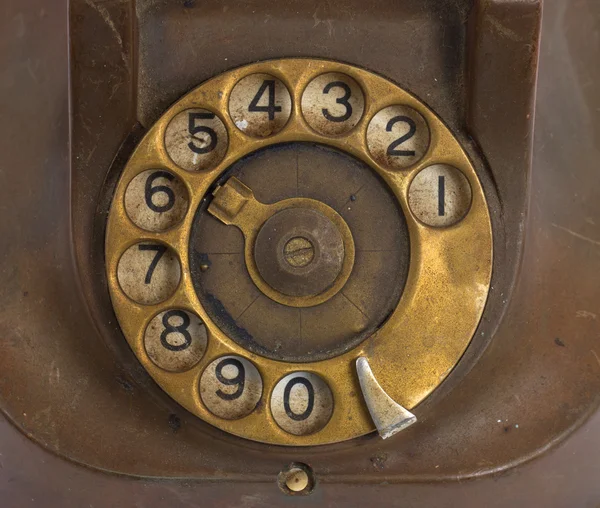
(450, 262)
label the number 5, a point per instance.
(197, 129)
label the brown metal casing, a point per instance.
(69, 380)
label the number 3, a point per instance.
(341, 100)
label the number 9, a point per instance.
(238, 380)
(231, 387)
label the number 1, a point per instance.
(441, 195)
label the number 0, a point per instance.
(311, 398)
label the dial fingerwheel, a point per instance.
(299, 252)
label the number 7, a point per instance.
(160, 250)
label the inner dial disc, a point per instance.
(299, 251)
(257, 252)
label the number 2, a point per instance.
(412, 129)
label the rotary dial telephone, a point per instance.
(298, 252)
(257, 250)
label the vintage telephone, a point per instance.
(287, 253)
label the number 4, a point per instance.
(270, 108)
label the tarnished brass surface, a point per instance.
(424, 337)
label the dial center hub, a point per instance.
(299, 252)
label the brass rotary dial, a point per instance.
(311, 201)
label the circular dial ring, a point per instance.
(423, 338)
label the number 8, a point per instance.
(182, 329)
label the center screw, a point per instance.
(299, 252)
